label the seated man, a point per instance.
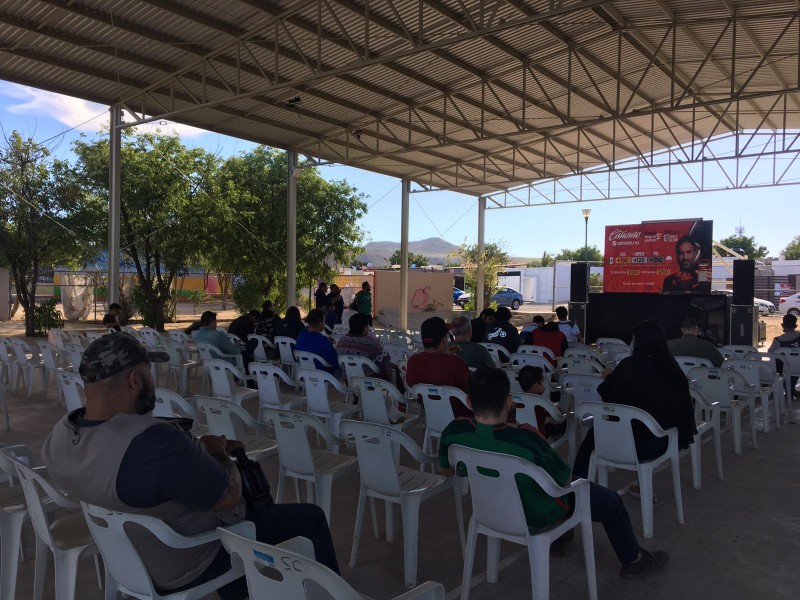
(490, 398)
(536, 323)
(691, 345)
(550, 336)
(360, 341)
(207, 333)
(436, 365)
(471, 353)
(313, 340)
(111, 318)
(568, 328)
(480, 323)
(503, 332)
(242, 327)
(113, 454)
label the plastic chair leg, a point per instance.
(587, 539)
(459, 514)
(718, 449)
(40, 569)
(323, 487)
(737, 432)
(390, 531)
(66, 574)
(694, 451)
(11, 527)
(646, 491)
(410, 510)
(362, 500)
(676, 485)
(469, 559)
(751, 408)
(539, 551)
(492, 558)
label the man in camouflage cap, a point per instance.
(113, 454)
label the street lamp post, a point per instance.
(586, 212)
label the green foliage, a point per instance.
(747, 244)
(595, 283)
(46, 219)
(413, 259)
(589, 254)
(248, 294)
(546, 260)
(150, 313)
(46, 317)
(792, 250)
(494, 258)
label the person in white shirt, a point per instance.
(567, 327)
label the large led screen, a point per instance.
(659, 256)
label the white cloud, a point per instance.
(74, 112)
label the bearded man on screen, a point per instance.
(687, 279)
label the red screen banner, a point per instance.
(658, 256)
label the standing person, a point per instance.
(113, 454)
(360, 341)
(490, 398)
(363, 301)
(290, 325)
(691, 345)
(470, 352)
(649, 379)
(435, 365)
(207, 333)
(480, 323)
(335, 298)
(321, 295)
(313, 340)
(503, 332)
(568, 328)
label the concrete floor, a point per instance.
(741, 537)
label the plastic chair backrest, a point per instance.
(737, 350)
(175, 350)
(791, 359)
(260, 351)
(60, 337)
(397, 351)
(72, 387)
(48, 353)
(497, 352)
(310, 360)
(285, 347)
(357, 366)
(520, 360)
(717, 385)
(534, 349)
(10, 456)
(747, 368)
(496, 501)
(686, 363)
(578, 366)
(224, 418)
(75, 353)
(610, 340)
(613, 433)
(180, 337)
(169, 403)
(526, 408)
(267, 575)
(584, 353)
(268, 378)
(21, 347)
(582, 388)
(291, 433)
(436, 402)
(373, 393)
(221, 372)
(316, 384)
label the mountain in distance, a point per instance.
(435, 249)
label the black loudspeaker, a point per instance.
(744, 282)
(579, 282)
(577, 314)
(743, 324)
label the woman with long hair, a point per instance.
(649, 379)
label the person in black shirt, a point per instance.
(242, 327)
(480, 324)
(321, 295)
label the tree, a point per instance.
(581, 254)
(792, 250)
(252, 223)
(45, 219)
(413, 259)
(494, 258)
(166, 190)
(747, 245)
(547, 259)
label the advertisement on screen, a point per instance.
(659, 256)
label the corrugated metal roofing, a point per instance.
(470, 95)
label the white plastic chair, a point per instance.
(749, 370)
(8, 364)
(94, 335)
(585, 353)
(285, 347)
(310, 360)
(730, 389)
(497, 513)
(790, 359)
(29, 361)
(180, 366)
(615, 447)
(170, 404)
(223, 386)
(49, 354)
(397, 351)
(612, 349)
(234, 339)
(67, 536)
(13, 514)
(125, 570)
(152, 338)
(78, 337)
(189, 346)
(532, 359)
(229, 419)
(260, 351)
(438, 410)
(268, 379)
(208, 351)
(383, 480)
(72, 389)
(318, 468)
(610, 340)
(497, 352)
(768, 366)
(74, 353)
(578, 366)
(373, 394)
(706, 416)
(526, 404)
(267, 577)
(357, 366)
(534, 349)
(737, 350)
(687, 363)
(317, 385)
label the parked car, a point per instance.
(765, 307)
(457, 293)
(505, 296)
(790, 305)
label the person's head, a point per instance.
(434, 333)
(323, 286)
(489, 392)
(316, 320)
(648, 339)
(531, 379)
(267, 306)
(114, 309)
(335, 289)
(292, 313)
(208, 319)
(487, 314)
(562, 313)
(689, 326)
(253, 315)
(502, 314)
(461, 328)
(687, 252)
(365, 287)
(538, 320)
(359, 324)
(109, 320)
(789, 323)
(115, 369)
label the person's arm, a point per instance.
(612, 387)
(218, 447)
(225, 345)
(774, 345)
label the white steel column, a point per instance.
(404, 254)
(291, 229)
(481, 235)
(114, 200)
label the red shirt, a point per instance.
(550, 337)
(437, 368)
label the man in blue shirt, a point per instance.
(313, 340)
(208, 334)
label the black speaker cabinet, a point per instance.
(579, 282)
(744, 328)
(577, 314)
(744, 282)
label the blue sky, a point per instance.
(523, 231)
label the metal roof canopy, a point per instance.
(475, 96)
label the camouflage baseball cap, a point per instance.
(112, 354)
